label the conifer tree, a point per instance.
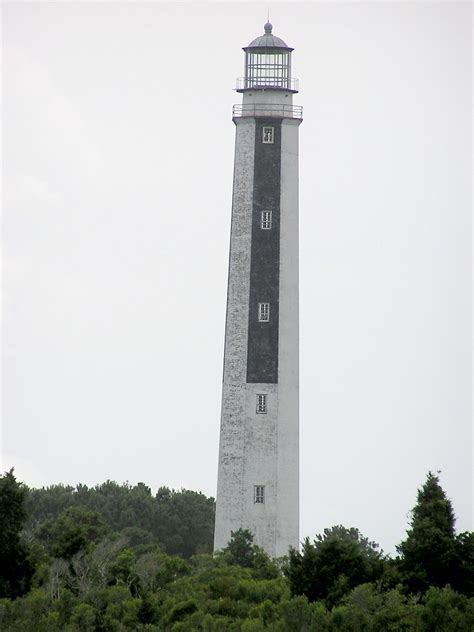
(429, 553)
(240, 549)
(15, 569)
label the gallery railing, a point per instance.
(264, 109)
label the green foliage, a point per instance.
(431, 554)
(333, 564)
(33, 612)
(463, 579)
(73, 530)
(180, 611)
(83, 619)
(92, 574)
(447, 611)
(296, 615)
(181, 522)
(15, 568)
(122, 568)
(367, 608)
(217, 596)
(184, 522)
(243, 552)
(155, 570)
(240, 549)
(5, 613)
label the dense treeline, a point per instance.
(117, 558)
(180, 522)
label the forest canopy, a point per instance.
(117, 557)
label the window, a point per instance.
(264, 312)
(261, 404)
(266, 220)
(268, 135)
(267, 68)
(259, 494)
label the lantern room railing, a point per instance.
(268, 110)
(272, 82)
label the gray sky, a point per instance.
(117, 176)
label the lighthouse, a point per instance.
(258, 471)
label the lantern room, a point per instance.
(267, 64)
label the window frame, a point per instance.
(259, 494)
(271, 135)
(266, 218)
(262, 406)
(264, 312)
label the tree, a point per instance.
(430, 553)
(333, 564)
(74, 529)
(184, 522)
(155, 570)
(46, 504)
(241, 551)
(83, 619)
(15, 568)
(240, 548)
(181, 522)
(447, 611)
(463, 580)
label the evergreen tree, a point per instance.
(464, 579)
(240, 548)
(333, 564)
(75, 529)
(429, 555)
(15, 569)
(184, 522)
(241, 551)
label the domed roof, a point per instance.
(268, 40)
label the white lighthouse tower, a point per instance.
(258, 478)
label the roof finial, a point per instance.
(268, 27)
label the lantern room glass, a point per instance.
(268, 69)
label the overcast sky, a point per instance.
(117, 180)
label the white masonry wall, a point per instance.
(288, 346)
(234, 425)
(261, 449)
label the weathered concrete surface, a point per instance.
(258, 449)
(230, 489)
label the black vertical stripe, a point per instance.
(262, 356)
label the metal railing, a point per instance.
(272, 83)
(283, 111)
